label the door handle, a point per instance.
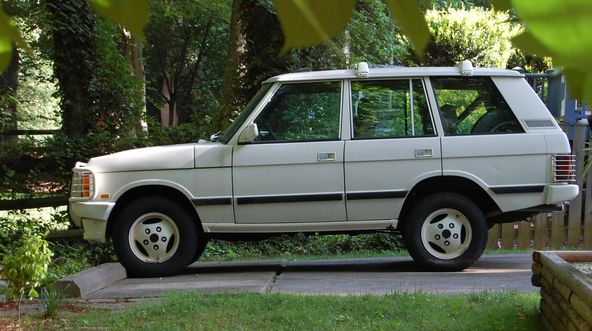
(326, 157)
(424, 152)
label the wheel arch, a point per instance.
(456, 184)
(152, 190)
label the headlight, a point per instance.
(83, 185)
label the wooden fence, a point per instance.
(558, 229)
(25, 165)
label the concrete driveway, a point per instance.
(336, 277)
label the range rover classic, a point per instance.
(438, 155)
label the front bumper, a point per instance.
(559, 193)
(92, 216)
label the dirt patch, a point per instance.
(9, 324)
(73, 308)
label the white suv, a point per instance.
(439, 154)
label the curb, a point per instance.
(81, 284)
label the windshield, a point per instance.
(228, 133)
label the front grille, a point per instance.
(564, 168)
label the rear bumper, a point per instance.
(558, 193)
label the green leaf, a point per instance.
(529, 44)
(563, 30)
(503, 5)
(9, 29)
(412, 22)
(579, 83)
(310, 22)
(9, 34)
(5, 54)
(132, 14)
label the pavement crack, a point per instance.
(269, 285)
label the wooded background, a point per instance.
(87, 87)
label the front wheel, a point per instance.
(445, 231)
(154, 236)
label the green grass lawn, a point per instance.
(397, 311)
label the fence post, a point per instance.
(588, 212)
(524, 234)
(574, 224)
(493, 236)
(558, 229)
(540, 231)
(508, 235)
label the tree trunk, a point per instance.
(173, 115)
(8, 86)
(133, 51)
(164, 109)
(74, 28)
(231, 102)
(168, 111)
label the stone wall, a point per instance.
(566, 293)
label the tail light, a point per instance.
(564, 168)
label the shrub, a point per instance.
(72, 257)
(17, 224)
(301, 244)
(26, 268)
(51, 300)
(479, 35)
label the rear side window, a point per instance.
(473, 106)
(390, 109)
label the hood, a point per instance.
(150, 158)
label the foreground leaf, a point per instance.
(503, 5)
(311, 22)
(9, 35)
(132, 14)
(579, 83)
(562, 30)
(412, 22)
(5, 51)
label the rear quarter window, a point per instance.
(473, 106)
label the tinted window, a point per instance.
(301, 112)
(473, 105)
(390, 108)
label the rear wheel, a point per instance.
(154, 236)
(445, 231)
(201, 247)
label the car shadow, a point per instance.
(506, 262)
(346, 265)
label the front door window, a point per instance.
(301, 112)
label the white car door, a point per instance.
(394, 145)
(293, 171)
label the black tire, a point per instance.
(155, 251)
(445, 232)
(201, 247)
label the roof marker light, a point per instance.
(363, 70)
(466, 68)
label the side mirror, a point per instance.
(249, 134)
